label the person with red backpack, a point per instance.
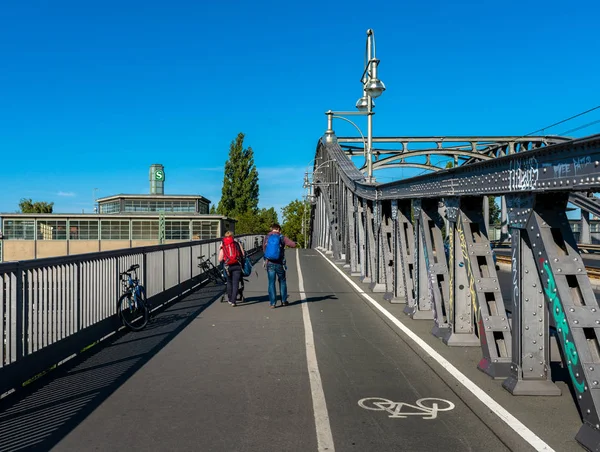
(232, 254)
(274, 258)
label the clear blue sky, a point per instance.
(92, 93)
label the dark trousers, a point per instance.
(233, 281)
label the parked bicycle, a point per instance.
(132, 307)
(213, 273)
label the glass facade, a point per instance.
(177, 230)
(114, 229)
(108, 229)
(52, 229)
(205, 229)
(19, 229)
(83, 230)
(144, 229)
(110, 207)
(151, 205)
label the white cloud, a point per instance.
(69, 194)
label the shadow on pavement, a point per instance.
(38, 416)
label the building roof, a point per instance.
(151, 196)
(114, 216)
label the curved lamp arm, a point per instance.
(359, 131)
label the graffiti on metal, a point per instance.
(523, 174)
(562, 326)
(515, 275)
(465, 254)
(451, 276)
(581, 163)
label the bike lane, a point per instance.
(380, 394)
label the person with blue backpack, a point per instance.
(274, 261)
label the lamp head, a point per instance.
(374, 87)
(362, 104)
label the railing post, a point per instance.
(18, 318)
(79, 293)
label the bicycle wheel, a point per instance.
(216, 276)
(133, 315)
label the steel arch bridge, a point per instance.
(391, 236)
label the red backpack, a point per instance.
(231, 251)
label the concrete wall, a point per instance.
(51, 248)
(109, 245)
(83, 246)
(18, 250)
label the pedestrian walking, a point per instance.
(232, 254)
(274, 261)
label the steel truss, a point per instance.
(392, 236)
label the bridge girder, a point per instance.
(400, 224)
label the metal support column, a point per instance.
(490, 313)
(530, 368)
(422, 308)
(436, 264)
(585, 238)
(461, 286)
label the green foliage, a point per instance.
(293, 215)
(495, 211)
(239, 195)
(28, 206)
(256, 223)
(213, 209)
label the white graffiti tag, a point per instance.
(523, 174)
(428, 408)
(581, 163)
(562, 169)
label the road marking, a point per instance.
(324, 437)
(422, 407)
(535, 441)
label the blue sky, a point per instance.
(93, 93)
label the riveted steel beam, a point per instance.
(530, 368)
(461, 285)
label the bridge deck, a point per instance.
(206, 376)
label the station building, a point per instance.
(120, 221)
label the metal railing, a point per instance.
(51, 308)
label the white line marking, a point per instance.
(535, 441)
(324, 436)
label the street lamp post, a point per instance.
(372, 88)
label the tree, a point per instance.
(240, 182)
(257, 223)
(293, 216)
(28, 206)
(494, 211)
(213, 210)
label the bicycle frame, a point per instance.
(133, 287)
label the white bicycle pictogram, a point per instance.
(428, 407)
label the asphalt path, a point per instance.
(205, 376)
